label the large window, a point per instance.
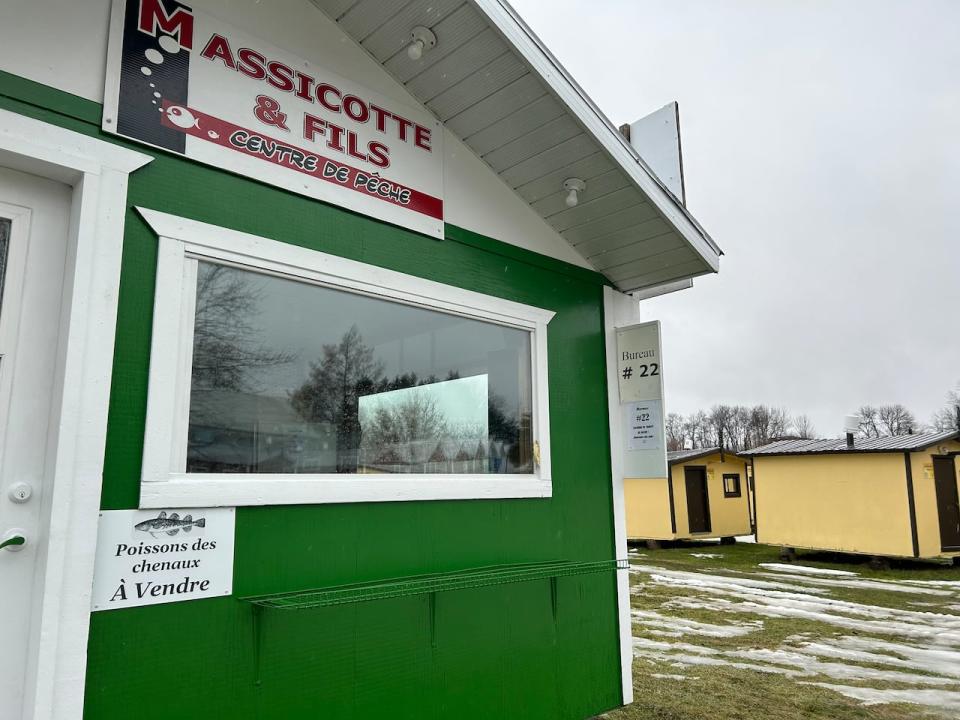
(294, 377)
(280, 374)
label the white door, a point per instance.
(34, 213)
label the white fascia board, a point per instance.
(522, 39)
(665, 289)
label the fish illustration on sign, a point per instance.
(169, 524)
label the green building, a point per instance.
(307, 371)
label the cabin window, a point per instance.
(731, 485)
(280, 374)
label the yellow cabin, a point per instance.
(886, 497)
(706, 497)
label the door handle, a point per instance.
(13, 541)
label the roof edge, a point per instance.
(938, 438)
(705, 452)
(546, 66)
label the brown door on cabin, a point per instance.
(698, 503)
(948, 503)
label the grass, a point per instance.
(723, 692)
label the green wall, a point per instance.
(497, 651)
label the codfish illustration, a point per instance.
(170, 525)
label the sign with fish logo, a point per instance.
(148, 557)
(189, 83)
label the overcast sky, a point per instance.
(821, 145)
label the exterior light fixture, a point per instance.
(422, 40)
(573, 186)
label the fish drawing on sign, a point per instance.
(169, 524)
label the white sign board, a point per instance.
(639, 366)
(645, 421)
(149, 557)
(187, 82)
(657, 138)
(640, 377)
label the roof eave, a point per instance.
(519, 35)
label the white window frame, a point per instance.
(164, 480)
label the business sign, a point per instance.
(149, 557)
(640, 377)
(182, 80)
(639, 362)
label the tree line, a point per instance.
(741, 427)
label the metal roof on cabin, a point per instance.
(679, 456)
(498, 89)
(897, 443)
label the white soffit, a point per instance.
(495, 86)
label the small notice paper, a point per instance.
(149, 557)
(643, 428)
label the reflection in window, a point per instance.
(292, 377)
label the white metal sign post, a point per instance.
(148, 557)
(640, 377)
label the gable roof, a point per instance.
(497, 88)
(897, 443)
(674, 457)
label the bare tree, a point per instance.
(699, 429)
(676, 435)
(803, 427)
(740, 428)
(226, 350)
(759, 425)
(415, 418)
(779, 423)
(869, 421)
(720, 418)
(895, 420)
(948, 417)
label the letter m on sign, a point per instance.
(178, 23)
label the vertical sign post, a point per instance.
(640, 377)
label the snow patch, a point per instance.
(806, 569)
(676, 627)
(943, 699)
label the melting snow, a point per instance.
(806, 569)
(926, 659)
(943, 699)
(677, 627)
(863, 584)
(706, 555)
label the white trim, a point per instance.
(619, 310)
(499, 14)
(164, 482)
(659, 290)
(98, 173)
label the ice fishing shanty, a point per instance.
(885, 497)
(705, 496)
(341, 280)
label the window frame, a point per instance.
(164, 480)
(739, 490)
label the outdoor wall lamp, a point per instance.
(573, 186)
(422, 39)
